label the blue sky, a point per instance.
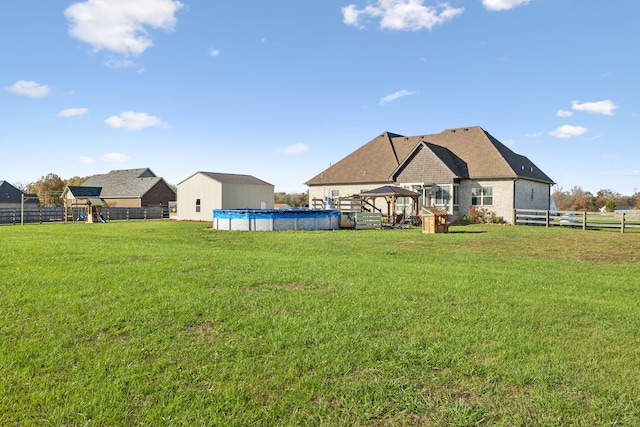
(282, 89)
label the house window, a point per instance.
(455, 194)
(335, 193)
(442, 195)
(197, 205)
(482, 196)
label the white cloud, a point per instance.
(85, 160)
(497, 5)
(214, 52)
(296, 149)
(534, 135)
(400, 14)
(569, 131)
(394, 96)
(115, 157)
(564, 113)
(120, 25)
(72, 112)
(130, 120)
(29, 88)
(600, 107)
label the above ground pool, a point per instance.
(276, 219)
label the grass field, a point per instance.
(167, 323)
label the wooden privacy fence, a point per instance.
(621, 219)
(56, 214)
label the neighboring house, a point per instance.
(132, 188)
(454, 170)
(203, 192)
(11, 197)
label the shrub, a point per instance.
(610, 206)
(476, 215)
(479, 215)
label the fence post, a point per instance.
(40, 216)
(546, 219)
(515, 217)
(584, 220)
(127, 214)
(622, 223)
(13, 215)
(145, 214)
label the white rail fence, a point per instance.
(585, 220)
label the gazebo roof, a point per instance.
(389, 191)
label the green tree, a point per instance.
(610, 206)
(603, 196)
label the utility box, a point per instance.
(434, 220)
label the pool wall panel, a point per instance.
(275, 220)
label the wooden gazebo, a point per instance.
(391, 194)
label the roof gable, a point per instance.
(430, 163)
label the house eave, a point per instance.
(319, 184)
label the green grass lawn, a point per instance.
(169, 323)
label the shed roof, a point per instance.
(231, 178)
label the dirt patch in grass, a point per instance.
(204, 330)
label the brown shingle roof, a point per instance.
(481, 155)
(373, 162)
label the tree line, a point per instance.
(577, 199)
(295, 200)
